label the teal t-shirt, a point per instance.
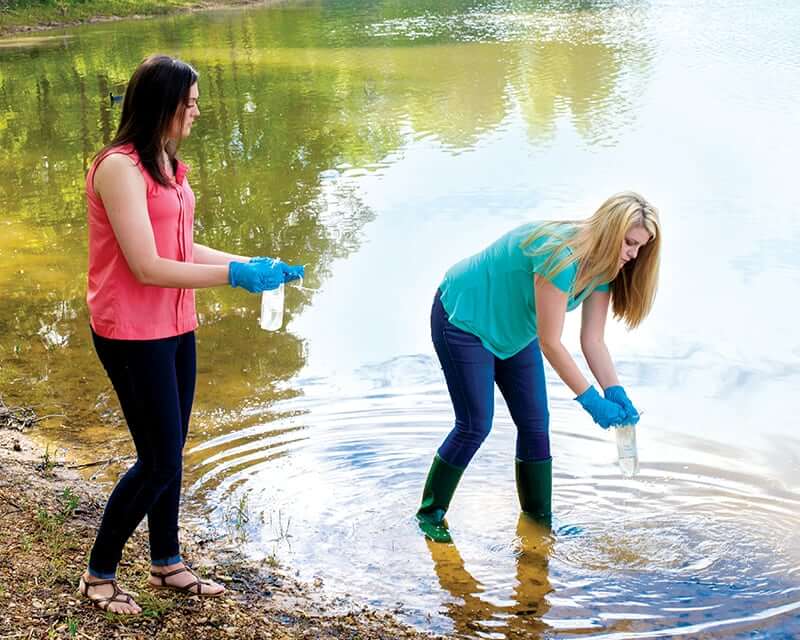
(491, 294)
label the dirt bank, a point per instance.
(48, 517)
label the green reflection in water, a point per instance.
(286, 94)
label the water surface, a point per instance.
(377, 143)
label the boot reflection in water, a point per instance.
(470, 612)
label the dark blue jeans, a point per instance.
(154, 381)
(471, 371)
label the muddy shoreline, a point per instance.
(8, 31)
(48, 517)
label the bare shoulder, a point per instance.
(116, 162)
(115, 170)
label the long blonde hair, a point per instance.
(595, 247)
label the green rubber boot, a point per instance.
(439, 488)
(535, 488)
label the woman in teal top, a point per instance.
(497, 312)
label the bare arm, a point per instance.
(551, 307)
(207, 255)
(123, 191)
(593, 345)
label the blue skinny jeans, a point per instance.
(154, 381)
(471, 371)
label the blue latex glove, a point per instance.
(256, 276)
(617, 395)
(603, 412)
(294, 272)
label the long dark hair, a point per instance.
(157, 92)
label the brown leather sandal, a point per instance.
(195, 588)
(103, 603)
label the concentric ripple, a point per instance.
(328, 482)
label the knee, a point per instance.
(537, 424)
(164, 470)
(476, 429)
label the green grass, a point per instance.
(153, 606)
(237, 515)
(16, 14)
(48, 462)
(69, 502)
(57, 539)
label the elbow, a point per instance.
(590, 343)
(549, 346)
(144, 272)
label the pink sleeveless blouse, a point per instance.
(120, 307)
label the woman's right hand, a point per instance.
(256, 276)
(603, 412)
(618, 396)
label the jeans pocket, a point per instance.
(456, 337)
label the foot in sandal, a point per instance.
(107, 596)
(181, 578)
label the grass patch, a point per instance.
(56, 537)
(236, 518)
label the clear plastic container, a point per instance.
(627, 451)
(272, 309)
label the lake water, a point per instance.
(377, 143)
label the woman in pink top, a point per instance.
(143, 269)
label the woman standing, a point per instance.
(143, 269)
(497, 312)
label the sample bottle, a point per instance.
(272, 309)
(626, 450)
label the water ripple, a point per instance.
(330, 481)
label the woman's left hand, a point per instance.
(290, 272)
(617, 395)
